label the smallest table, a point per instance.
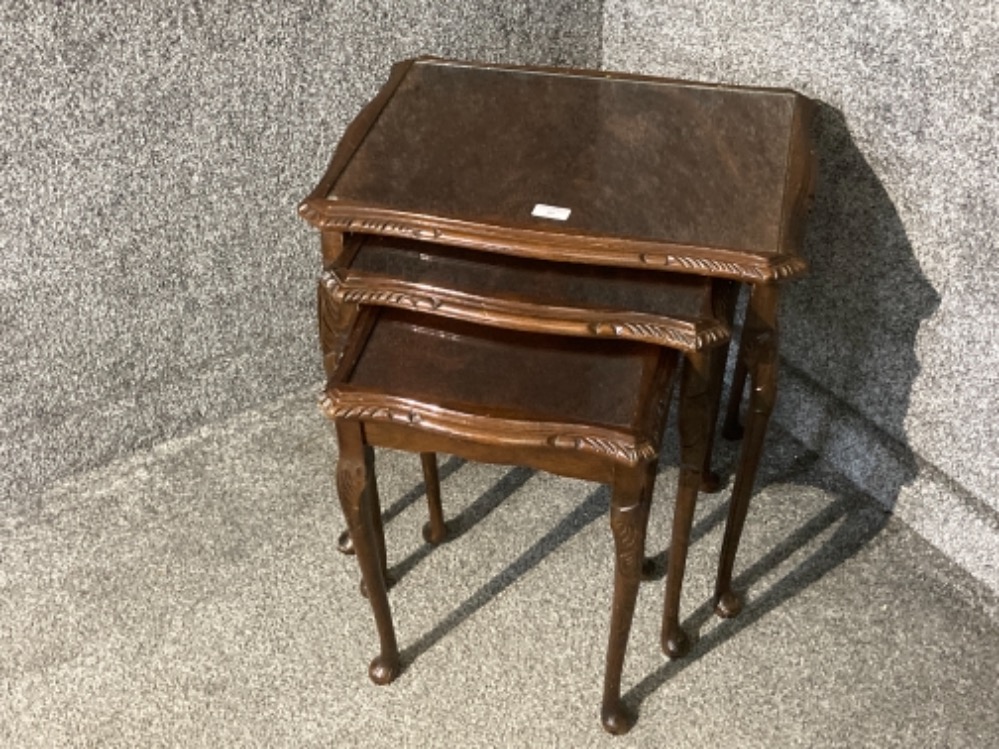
(587, 409)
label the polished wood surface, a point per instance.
(658, 174)
(586, 409)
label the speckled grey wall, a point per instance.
(154, 273)
(890, 346)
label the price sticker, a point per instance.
(554, 212)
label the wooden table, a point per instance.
(569, 405)
(591, 168)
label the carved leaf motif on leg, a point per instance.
(327, 317)
(350, 479)
(335, 320)
(629, 539)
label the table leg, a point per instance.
(725, 298)
(760, 342)
(710, 480)
(345, 544)
(695, 429)
(335, 320)
(435, 531)
(629, 518)
(732, 429)
(371, 486)
(353, 488)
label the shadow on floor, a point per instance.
(594, 506)
(848, 523)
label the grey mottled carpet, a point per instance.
(191, 596)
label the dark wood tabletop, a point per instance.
(578, 166)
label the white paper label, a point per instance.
(555, 212)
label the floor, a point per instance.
(192, 596)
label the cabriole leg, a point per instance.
(760, 339)
(694, 424)
(629, 520)
(353, 470)
(725, 297)
(732, 429)
(435, 531)
(716, 357)
(374, 505)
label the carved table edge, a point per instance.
(679, 333)
(338, 404)
(741, 265)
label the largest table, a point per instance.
(597, 168)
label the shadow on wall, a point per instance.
(850, 326)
